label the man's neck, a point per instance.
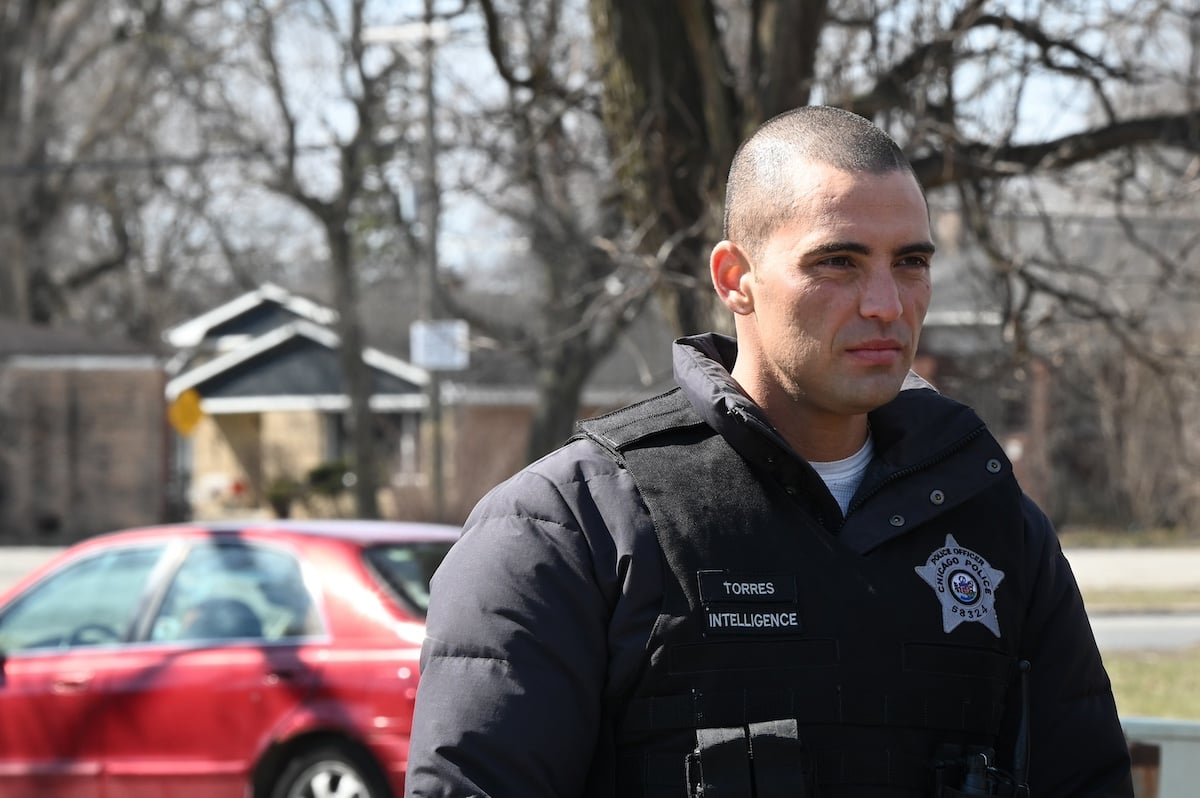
(815, 434)
(823, 440)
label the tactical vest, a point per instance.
(784, 664)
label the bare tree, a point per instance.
(83, 88)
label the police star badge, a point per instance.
(965, 584)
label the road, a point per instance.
(1094, 568)
(1143, 632)
(1140, 569)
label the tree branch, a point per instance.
(960, 161)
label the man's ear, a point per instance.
(731, 277)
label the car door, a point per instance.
(228, 637)
(58, 639)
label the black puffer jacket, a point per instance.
(542, 613)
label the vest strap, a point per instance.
(620, 429)
(779, 760)
(720, 765)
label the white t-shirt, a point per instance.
(843, 477)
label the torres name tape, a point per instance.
(748, 603)
(723, 586)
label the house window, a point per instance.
(397, 436)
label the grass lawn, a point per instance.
(1171, 600)
(1095, 537)
(1152, 684)
(1159, 684)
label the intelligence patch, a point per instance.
(965, 584)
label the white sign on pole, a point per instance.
(439, 345)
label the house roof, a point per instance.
(292, 367)
(35, 346)
(245, 317)
(20, 338)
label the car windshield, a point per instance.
(406, 568)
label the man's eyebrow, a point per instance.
(833, 247)
(921, 247)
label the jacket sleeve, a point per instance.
(1078, 749)
(516, 657)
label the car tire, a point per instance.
(331, 771)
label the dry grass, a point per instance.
(1153, 684)
(1112, 600)
(1157, 684)
(1100, 538)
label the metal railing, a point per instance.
(1166, 757)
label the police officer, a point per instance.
(801, 572)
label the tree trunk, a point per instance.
(364, 461)
(560, 383)
(17, 22)
(672, 119)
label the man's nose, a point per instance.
(880, 296)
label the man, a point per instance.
(803, 572)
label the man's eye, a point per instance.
(836, 261)
(914, 261)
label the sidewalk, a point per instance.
(1136, 569)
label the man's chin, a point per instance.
(875, 393)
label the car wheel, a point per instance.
(330, 771)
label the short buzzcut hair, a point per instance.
(757, 199)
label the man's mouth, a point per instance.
(881, 352)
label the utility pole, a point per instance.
(430, 215)
(426, 351)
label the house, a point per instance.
(83, 436)
(258, 400)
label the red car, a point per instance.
(257, 659)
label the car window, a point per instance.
(88, 602)
(406, 569)
(235, 590)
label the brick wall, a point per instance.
(83, 448)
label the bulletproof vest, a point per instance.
(784, 663)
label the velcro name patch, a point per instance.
(754, 604)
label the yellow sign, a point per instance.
(184, 413)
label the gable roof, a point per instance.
(296, 366)
(244, 317)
